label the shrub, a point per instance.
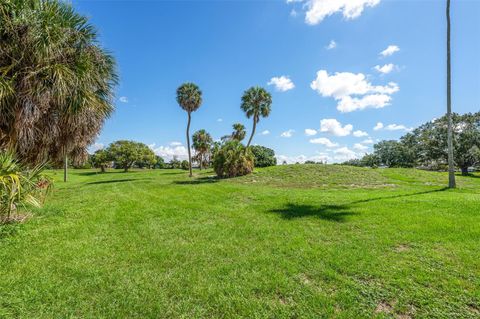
(232, 159)
(264, 156)
(19, 186)
(184, 165)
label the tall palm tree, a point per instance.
(256, 102)
(189, 97)
(238, 132)
(451, 165)
(202, 144)
(56, 83)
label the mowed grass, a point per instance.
(297, 241)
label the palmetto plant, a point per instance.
(238, 132)
(202, 143)
(56, 83)
(256, 102)
(19, 186)
(189, 97)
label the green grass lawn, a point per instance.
(298, 241)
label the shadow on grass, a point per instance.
(100, 173)
(398, 196)
(115, 181)
(333, 213)
(471, 175)
(198, 181)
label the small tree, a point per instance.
(256, 102)
(189, 97)
(159, 162)
(101, 159)
(126, 153)
(185, 165)
(264, 156)
(202, 143)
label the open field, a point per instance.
(297, 241)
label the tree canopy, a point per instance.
(126, 153)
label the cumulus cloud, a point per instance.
(320, 157)
(95, 147)
(397, 127)
(266, 132)
(282, 83)
(334, 127)
(287, 133)
(378, 126)
(360, 147)
(169, 152)
(385, 69)
(344, 154)
(344, 87)
(367, 141)
(175, 143)
(323, 141)
(310, 132)
(391, 49)
(123, 99)
(317, 10)
(359, 133)
(331, 45)
(219, 120)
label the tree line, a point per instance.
(426, 146)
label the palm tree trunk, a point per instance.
(65, 168)
(451, 167)
(188, 145)
(253, 131)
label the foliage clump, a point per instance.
(233, 159)
(264, 156)
(20, 186)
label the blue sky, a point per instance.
(329, 80)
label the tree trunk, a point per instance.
(451, 167)
(253, 130)
(188, 145)
(65, 168)
(464, 171)
(102, 168)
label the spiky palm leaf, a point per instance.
(256, 102)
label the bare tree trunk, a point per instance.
(65, 168)
(451, 165)
(253, 130)
(188, 145)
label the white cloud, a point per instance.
(367, 141)
(391, 49)
(398, 127)
(334, 127)
(359, 133)
(320, 157)
(323, 141)
(123, 99)
(293, 13)
(385, 69)
(95, 147)
(169, 152)
(219, 120)
(317, 10)
(282, 83)
(378, 126)
(310, 132)
(331, 45)
(360, 147)
(175, 143)
(344, 154)
(288, 133)
(343, 85)
(266, 132)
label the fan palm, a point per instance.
(56, 83)
(202, 143)
(189, 97)
(256, 102)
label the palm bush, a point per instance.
(233, 159)
(19, 186)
